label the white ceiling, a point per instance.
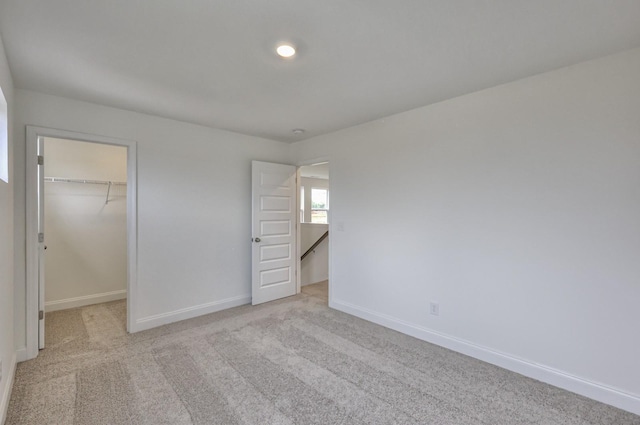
(212, 62)
(318, 171)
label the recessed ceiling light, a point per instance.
(298, 131)
(286, 50)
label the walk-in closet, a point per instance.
(85, 216)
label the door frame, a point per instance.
(299, 224)
(32, 251)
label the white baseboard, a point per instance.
(313, 283)
(84, 300)
(189, 312)
(21, 355)
(7, 385)
(558, 378)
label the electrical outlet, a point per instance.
(434, 309)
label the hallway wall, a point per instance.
(315, 266)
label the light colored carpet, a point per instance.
(289, 362)
(318, 290)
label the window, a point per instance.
(4, 141)
(319, 205)
(301, 204)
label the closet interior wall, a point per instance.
(85, 223)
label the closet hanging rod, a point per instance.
(63, 180)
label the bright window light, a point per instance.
(4, 141)
(319, 205)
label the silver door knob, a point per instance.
(257, 239)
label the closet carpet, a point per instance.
(292, 361)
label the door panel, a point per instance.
(273, 231)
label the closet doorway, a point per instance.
(85, 199)
(80, 222)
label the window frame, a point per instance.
(327, 204)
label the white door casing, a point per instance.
(41, 243)
(274, 218)
(35, 249)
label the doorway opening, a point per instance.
(314, 218)
(85, 199)
(81, 236)
(289, 231)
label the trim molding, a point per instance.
(555, 377)
(6, 389)
(33, 301)
(84, 300)
(189, 312)
(21, 355)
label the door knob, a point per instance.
(257, 239)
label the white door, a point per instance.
(273, 231)
(41, 243)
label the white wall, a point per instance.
(194, 205)
(315, 267)
(86, 238)
(517, 208)
(7, 347)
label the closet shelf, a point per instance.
(64, 180)
(82, 181)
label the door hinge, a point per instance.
(40, 160)
(41, 315)
(40, 237)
